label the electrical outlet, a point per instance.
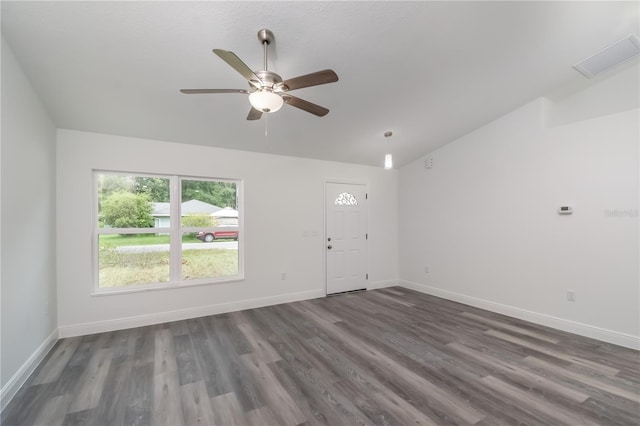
(426, 270)
(283, 276)
(571, 296)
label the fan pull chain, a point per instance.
(266, 132)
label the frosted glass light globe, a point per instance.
(265, 101)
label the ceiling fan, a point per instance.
(267, 91)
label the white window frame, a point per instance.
(175, 231)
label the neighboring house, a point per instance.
(226, 216)
(161, 212)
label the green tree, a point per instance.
(126, 210)
(221, 194)
(156, 188)
(109, 184)
(200, 220)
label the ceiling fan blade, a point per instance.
(254, 114)
(199, 91)
(305, 105)
(313, 79)
(236, 63)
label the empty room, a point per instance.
(320, 213)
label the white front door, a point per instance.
(346, 239)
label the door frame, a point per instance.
(324, 216)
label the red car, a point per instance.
(218, 233)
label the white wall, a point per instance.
(272, 184)
(484, 218)
(28, 227)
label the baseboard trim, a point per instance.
(373, 285)
(163, 317)
(16, 381)
(605, 335)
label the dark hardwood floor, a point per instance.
(384, 357)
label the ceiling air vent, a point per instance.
(610, 56)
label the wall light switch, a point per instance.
(428, 163)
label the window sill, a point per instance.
(111, 291)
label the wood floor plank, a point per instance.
(112, 405)
(277, 398)
(188, 368)
(91, 385)
(441, 400)
(383, 357)
(367, 384)
(316, 308)
(520, 375)
(393, 299)
(335, 407)
(196, 406)
(227, 410)
(76, 367)
(56, 363)
(235, 377)
(139, 394)
(53, 412)
(366, 403)
(587, 380)
(260, 417)
(312, 411)
(258, 344)
(609, 412)
(124, 346)
(554, 353)
(502, 325)
(167, 407)
(552, 414)
(27, 405)
(227, 325)
(204, 354)
(78, 418)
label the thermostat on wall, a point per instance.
(565, 210)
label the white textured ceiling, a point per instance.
(428, 71)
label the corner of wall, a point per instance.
(13, 385)
(28, 270)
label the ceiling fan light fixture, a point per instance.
(266, 101)
(267, 91)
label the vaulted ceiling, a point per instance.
(428, 71)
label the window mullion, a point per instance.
(175, 254)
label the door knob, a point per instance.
(329, 246)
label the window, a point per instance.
(346, 199)
(156, 231)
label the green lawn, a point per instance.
(124, 269)
(142, 239)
